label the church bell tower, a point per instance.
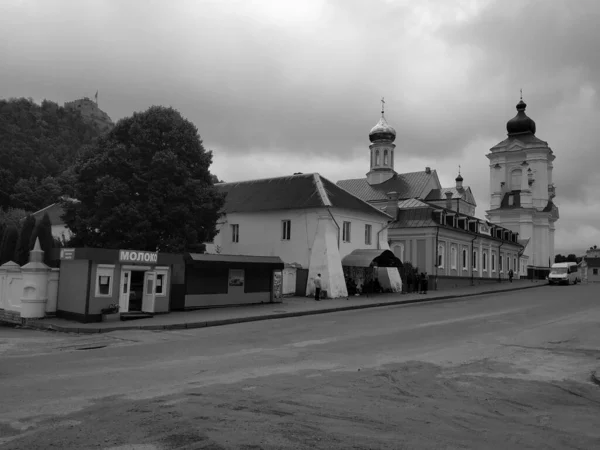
(521, 190)
(382, 137)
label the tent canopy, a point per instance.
(371, 257)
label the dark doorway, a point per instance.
(137, 290)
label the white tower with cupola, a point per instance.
(382, 137)
(521, 190)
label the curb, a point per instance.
(215, 323)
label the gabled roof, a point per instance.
(407, 185)
(54, 211)
(519, 141)
(440, 194)
(290, 192)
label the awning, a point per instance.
(370, 257)
(274, 262)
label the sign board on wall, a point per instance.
(485, 229)
(67, 253)
(236, 277)
(134, 256)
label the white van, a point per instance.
(565, 272)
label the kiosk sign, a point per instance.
(134, 256)
(67, 253)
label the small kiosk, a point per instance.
(227, 280)
(141, 283)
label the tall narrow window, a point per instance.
(500, 263)
(507, 263)
(515, 180)
(440, 261)
(474, 260)
(464, 259)
(346, 232)
(235, 233)
(453, 257)
(493, 262)
(286, 231)
(385, 157)
(515, 264)
(368, 234)
(376, 157)
(484, 263)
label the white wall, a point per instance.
(260, 233)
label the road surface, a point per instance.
(500, 371)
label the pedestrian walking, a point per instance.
(318, 287)
(425, 283)
(510, 275)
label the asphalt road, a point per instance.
(134, 388)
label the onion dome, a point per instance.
(459, 178)
(520, 124)
(382, 131)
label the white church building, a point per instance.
(521, 190)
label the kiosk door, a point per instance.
(149, 296)
(125, 291)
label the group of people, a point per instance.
(420, 282)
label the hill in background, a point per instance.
(38, 145)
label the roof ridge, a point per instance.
(321, 189)
(358, 198)
(44, 209)
(266, 179)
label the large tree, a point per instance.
(145, 185)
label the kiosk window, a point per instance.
(104, 281)
(160, 283)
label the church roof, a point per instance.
(290, 192)
(427, 217)
(407, 185)
(525, 139)
(440, 194)
(415, 218)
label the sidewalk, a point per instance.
(289, 307)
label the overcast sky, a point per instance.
(277, 86)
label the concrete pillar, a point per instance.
(11, 286)
(325, 259)
(35, 285)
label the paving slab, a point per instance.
(288, 307)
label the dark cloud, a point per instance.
(301, 81)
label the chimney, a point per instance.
(392, 205)
(427, 170)
(449, 200)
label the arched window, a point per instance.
(515, 180)
(385, 157)
(484, 263)
(377, 157)
(441, 256)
